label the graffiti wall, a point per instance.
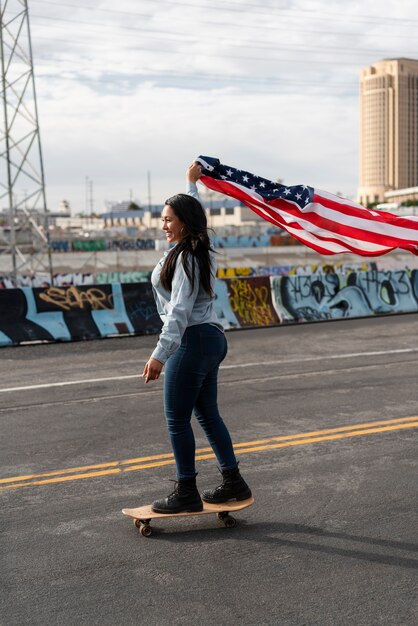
(122, 277)
(251, 302)
(232, 272)
(90, 311)
(218, 241)
(77, 278)
(95, 245)
(76, 312)
(355, 294)
(240, 241)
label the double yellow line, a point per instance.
(159, 460)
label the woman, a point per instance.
(191, 346)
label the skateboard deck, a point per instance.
(143, 515)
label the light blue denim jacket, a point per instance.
(181, 307)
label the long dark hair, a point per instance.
(195, 245)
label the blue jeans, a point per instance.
(190, 386)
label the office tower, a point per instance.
(388, 128)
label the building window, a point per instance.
(230, 211)
(215, 211)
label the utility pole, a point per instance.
(149, 190)
(91, 200)
(86, 197)
(21, 162)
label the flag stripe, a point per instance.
(319, 216)
(366, 246)
(302, 228)
(323, 222)
(350, 208)
(405, 228)
(327, 223)
(285, 218)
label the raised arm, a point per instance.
(194, 172)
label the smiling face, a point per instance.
(174, 228)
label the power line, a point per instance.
(216, 24)
(320, 50)
(259, 82)
(228, 79)
(235, 44)
(242, 6)
(228, 56)
(264, 45)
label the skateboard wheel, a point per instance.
(221, 516)
(230, 522)
(138, 522)
(145, 530)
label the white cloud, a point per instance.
(148, 86)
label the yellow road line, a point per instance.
(157, 457)
(61, 479)
(83, 468)
(287, 444)
(353, 433)
(117, 467)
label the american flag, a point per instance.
(325, 222)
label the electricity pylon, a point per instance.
(22, 181)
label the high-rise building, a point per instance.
(388, 128)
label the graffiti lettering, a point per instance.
(251, 303)
(70, 298)
(331, 268)
(122, 277)
(231, 272)
(386, 291)
(240, 241)
(302, 287)
(142, 310)
(325, 296)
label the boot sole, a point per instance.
(189, 509)
(234, 499)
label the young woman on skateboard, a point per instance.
(191, 346)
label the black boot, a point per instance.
(233, 487)
(184, 499)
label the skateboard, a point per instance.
(143, 515)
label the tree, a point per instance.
(134, 207)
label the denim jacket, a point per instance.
(182, 307)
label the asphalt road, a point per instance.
(325, 419)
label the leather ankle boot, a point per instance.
(184, 499)
(233, 487)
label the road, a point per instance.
(325, 419)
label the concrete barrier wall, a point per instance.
(228, 241)
(95, 245)
(78, 312)
(356, 294)
(42, 279)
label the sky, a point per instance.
(131, 92)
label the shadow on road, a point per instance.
(302, 538)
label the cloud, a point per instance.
(148, 86)
(119, 138)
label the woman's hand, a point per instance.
(194, 172)
(152, 370)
